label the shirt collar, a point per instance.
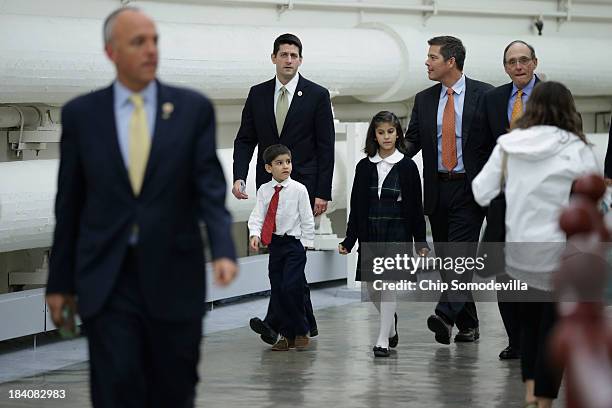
(394, 158)
(458, 86)
(122, 93)
(527, 89)
(285, 183)
(291, 85)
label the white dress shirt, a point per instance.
(290, 87)
(123, 108)
(293, 215)
(384, 166)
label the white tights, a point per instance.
(386, 304)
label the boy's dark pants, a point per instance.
(287, 259)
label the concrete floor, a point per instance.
(338, 370)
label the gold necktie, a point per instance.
(449, 142)
(282, 106)
(517, 108)
(139, 144)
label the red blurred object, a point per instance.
(582, 340)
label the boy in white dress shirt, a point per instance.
(283, 220)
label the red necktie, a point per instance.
(449, 144)
(269, 225)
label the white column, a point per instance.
(355, 142)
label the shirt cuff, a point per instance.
(308, 243)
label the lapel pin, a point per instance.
(299, 93)
(167, 109)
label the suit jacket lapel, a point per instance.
(107, 127)
(296, 102)
(432, 110)
(162, 138)
(269, 104)
(502, 105)
(469, 107)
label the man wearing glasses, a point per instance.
(500, 107)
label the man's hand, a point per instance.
(239, 190)
(320, 206)
(423, 252)
(224, 271)
(56, 302)
(342, 250)
(254, 243)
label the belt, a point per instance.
(450, 176)
(283, 238)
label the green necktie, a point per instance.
(139, 144)
(282, 106)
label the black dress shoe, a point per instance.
(381, 352)
(266, 333)
(441, 328)
(395, 339)
(467, 335)
(510, 353)
(314, 332)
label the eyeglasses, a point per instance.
(521, 61)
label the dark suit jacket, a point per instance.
(422, 133)
(308, 132)
(608, 162)
(412, 207)
(493, 123)
(96, 210)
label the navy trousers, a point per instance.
(136, 360)
(272, 319)
(287, 260)
(457, 219)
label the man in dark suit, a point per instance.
(138, 170)
(293, 111)
(499, 108)
(442, 121)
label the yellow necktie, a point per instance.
(517, 109)
(139, 144)
(282, 106)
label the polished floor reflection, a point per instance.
(338, 370)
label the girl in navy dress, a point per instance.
(386, 206)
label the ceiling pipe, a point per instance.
(408, 8)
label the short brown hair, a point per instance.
(287, 38)
(273, 151)
(450, 47)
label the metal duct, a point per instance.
(60, 57)
(28, 188)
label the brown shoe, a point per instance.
(301, 342)
(281, 345)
